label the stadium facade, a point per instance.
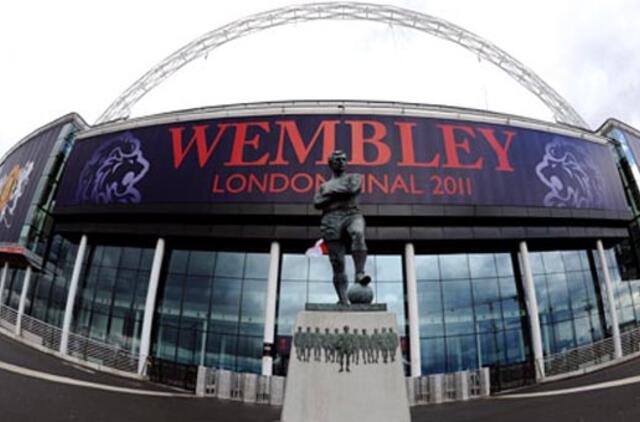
(179, 239)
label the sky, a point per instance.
(68, 55)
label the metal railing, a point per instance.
(8, 317)
(41, 334)
(591, 356)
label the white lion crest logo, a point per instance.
(572, 179)
(111, 175)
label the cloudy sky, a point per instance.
(62, 56)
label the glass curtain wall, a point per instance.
(47, 296)
(13, 287)
(627, 294)
(567, 299)
(111, 294)
(211, 309)
(310, 280)
(470, 313)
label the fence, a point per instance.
(48, 337)
(248, 388)
(260, 389)
(592, 356)
(252, 388)
(455, 386)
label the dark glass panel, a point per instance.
(221, 351)
(257, 266)
(253, 307)
(504, 264)
(515, 346)
(319, 271)
(393, 295)
(111, 256)
(461, 353)
(427, 267)
(249, 354)
(433, 356)
(196, 296)
(201, 263)
(458, 311)
(292, 297)
(322, 292)
(225, 305)
(294, 267)
(482, 265)
(230, 264)
(454, 266)
(178, 262)
(130, 257)
(388, 268)
(431, 313)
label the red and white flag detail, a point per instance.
(319, 249)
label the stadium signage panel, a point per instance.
(19, 176)
(283, 159)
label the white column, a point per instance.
(532, 308)
(3, 279)
(613, 314)
(412, 299)
(270, 309)
(23, 299)
(149, 306)
(71, 295)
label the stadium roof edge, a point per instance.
(72, 116)
(342, 106)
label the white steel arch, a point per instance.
(392, 15)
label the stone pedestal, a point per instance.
(344, 377)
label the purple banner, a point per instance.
(403, 160)
(19, 176)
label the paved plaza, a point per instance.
(38, 387)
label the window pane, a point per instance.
(454, 266)
(482, 265)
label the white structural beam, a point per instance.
(532, 309)
(71, 295)
(412, 305)
(3, 280)
(23, 299)
(390, 15)
(149, 307)
(270, 309)
(613, 313)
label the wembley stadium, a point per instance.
(152, 246)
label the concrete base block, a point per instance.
(277, 391)
(320, 390)
(249, 388)
(224, 384)
(436, 385)
(462, 385)
(201, 381)
(485, 382)
(411, 390)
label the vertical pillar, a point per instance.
(412, 299)
(3, 280)
(532, 308)
(270, 309)
(149, 306)
(23, 299)
(71, 295)
(613, 314)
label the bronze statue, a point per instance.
(342, 227)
